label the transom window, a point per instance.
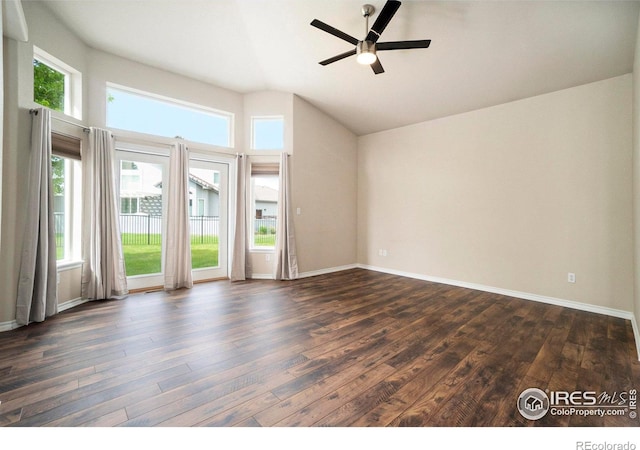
(267, 133)
(56, 85)
(143, 112)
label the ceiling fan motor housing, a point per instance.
(366, 47)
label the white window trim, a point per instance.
(181, 104)
(72, 82)
(73, 219)
(255, 119)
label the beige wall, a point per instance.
(324, 187)
(48, 34)
(15, 154)
(511, 197)
(636, 184)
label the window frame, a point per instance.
(271, 118)
(72, 83)
(181, 104)
(152, 154)
(72, 203)
(260, 170)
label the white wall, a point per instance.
(511, 197)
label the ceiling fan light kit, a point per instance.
(366, 52)
(366, 49)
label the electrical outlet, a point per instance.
(384, 253)
(267, 257)
(571, 277)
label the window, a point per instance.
(66, 177)
(267, 133)
(160, 116)
(128, 205)
(264, 198)
(56, 85)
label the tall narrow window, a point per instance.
(264, 198)
(65, 164)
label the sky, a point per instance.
(129, 111)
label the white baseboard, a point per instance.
(312, 273)
(8, 326)
(71, 303)
(12, 325)
(636, 334)
(627, 315)
(315, 273)
(261, 276)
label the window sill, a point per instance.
(262, 250)
(63, 266)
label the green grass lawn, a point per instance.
(142, 258)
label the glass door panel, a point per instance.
(142, 216)
(208, 201)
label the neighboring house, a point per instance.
(204, 197)
(266, 201)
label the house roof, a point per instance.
(482, 53)
(203, 184)
(265, 194)
(200, 182)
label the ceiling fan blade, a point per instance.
(401, 45)
(383, 20)
(377, 67)
(337, 33)
(338, 57)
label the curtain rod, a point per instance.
(193, 149)
(260, 156)
(84, 129)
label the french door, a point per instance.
(142, 189)
(208, 218)
(143, 181)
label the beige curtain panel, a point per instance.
(37, 283)
(177, 272)
(103, 271)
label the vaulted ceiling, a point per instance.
(482, 53)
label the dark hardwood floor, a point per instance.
(355, 348)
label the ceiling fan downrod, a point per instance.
(367, 10)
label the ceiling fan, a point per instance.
(367, 48)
